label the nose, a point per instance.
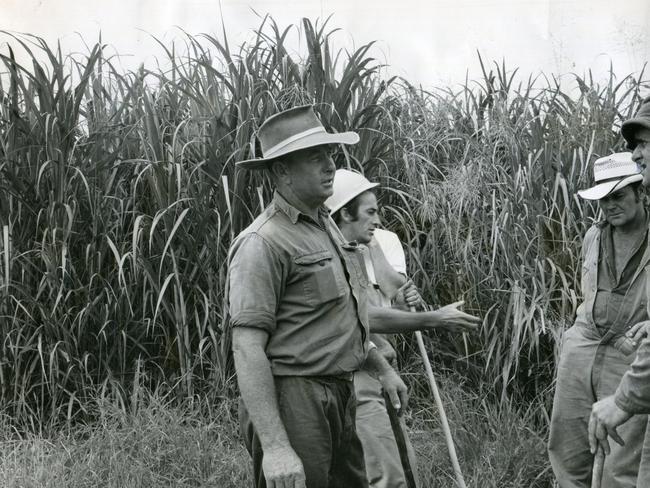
(637, 155)
(376, 220)
(329, 166)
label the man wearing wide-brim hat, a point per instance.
(597, 350)
(632, 397)
(297, 306)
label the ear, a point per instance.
(345, 215)
(280, 171)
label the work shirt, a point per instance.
(633, 392)
(618, 298)
(298, 280)
(632, 303)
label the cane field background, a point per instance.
(119, 198)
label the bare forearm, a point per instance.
(449, 317)
(385, 320)
(257, 389)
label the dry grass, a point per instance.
(161, 445)
(197, 445)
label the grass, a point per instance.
(164, 443)
(484, 434)
(160, 445)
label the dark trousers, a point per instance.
(319, 416)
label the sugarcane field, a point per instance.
(325, 244)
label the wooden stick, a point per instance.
(400, 439)
(597, 471)
(460, 481)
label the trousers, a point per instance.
(587, 372)
(318, 414)
(381, 454)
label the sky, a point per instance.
(431, 43)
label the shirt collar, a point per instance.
(293, 213)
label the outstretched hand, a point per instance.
(455, 320)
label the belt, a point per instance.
(348, 376)
(334, 377)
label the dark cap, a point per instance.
(640, 121)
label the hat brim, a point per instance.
(312, 140)
(630, 128)
(601, 190)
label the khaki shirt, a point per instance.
(299, 280)
(620, 300)
(632, 303)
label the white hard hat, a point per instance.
(347, 185)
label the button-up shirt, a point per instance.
(620, 299)
(297, 279)
(632, 301)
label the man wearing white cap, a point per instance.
(355, 210)
(297, 305)
(633, 393)
(596, 352)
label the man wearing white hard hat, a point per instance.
(297, 306)
(354, 208)
(600, 346)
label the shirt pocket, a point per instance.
(318, 277)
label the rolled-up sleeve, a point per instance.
(255, 277)
(633, 393)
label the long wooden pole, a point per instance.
(597, 472)
(460, 481)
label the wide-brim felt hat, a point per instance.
(611, 173)
(640, 121)
(293, 130)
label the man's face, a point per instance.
(363, 228)
(641, 154)
(311, 174)
(621, 207)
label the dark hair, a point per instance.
(637, 186)
(352, 207)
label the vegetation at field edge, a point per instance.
(119, 199)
